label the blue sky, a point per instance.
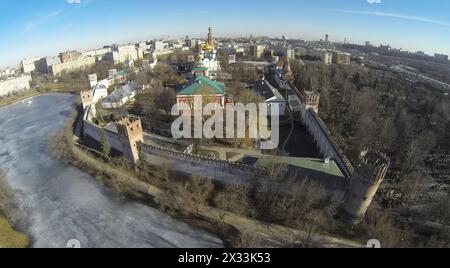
(45, 27)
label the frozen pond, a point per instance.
(63, 203)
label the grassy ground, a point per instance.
(10, 238)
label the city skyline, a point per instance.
(43, 28)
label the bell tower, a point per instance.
(210, 37)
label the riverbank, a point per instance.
(60, 202)
(28, 94)
(9, 237)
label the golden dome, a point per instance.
(199, 57)
(207, 47)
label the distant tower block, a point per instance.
(287, 71)
(112, 73)
(191, 58)
(312, 101)
(231, 59)
(130, 131)
(367, 178)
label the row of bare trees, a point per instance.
(370, 107)
(410, 122)
(9, 207)
(279, 198)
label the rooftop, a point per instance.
(125, 91)
(201, 85)
(121, 72)
(265, 89)
(200, 69)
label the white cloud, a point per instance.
(42, 19)
(74, 1)
(374, 1)
(398, 16)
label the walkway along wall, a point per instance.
(324, 141)
(328, 181)
(204, 160)
(315, 126)
(362, 182)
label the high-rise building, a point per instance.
(323, 54)
(256, 51)
(191, 58)
(327, 58)
(191, 43)
(43, 65)
(341, 57)
(112, 73)
(158, 45)
(441, 57)
(99, 53)
(420, 53)
(28, 65)
(80, 63)
(69, 56)
(269, 53)
(123, 53)
(326, 38)
(289, 53)
(231, 59)
(385, 47)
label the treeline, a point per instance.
(375, 108)
(294, 203)
(277, 198)
(411, 123)
(74, 81)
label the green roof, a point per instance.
(121, 72)
(200, 69)
(202, 85)
(313, 164)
